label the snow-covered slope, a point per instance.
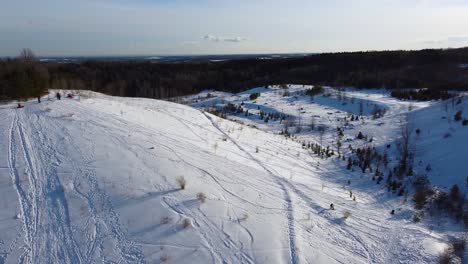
(95, 180)
(441, 146)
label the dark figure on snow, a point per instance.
(39, 99)
(332, 207)
(58, 96)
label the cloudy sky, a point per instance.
(159, 27)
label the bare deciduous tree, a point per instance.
(312, 123)
(27, 55)
(405, 145)
(361, 108)
(321, 130)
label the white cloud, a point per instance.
(452, 40)
(211, 38)
(458, 39)
(222, 39)
(189, 43)
(236, 39)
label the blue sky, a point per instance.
(152, 27)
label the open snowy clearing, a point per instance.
(95, 180)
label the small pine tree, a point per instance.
(420, 199)
(350, 164)
(458, 116)
(254, 96)
(455, 194)
(360, 135)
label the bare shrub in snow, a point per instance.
(164, 258)
(201, 197)
(166, 220)
(182, 182)
(417, 217)
(346, 215)
(244, 217)
(186, 223)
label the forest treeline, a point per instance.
(436, 69)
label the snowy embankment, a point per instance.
(95, 180)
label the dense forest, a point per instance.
(437, 70)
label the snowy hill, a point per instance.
(96, 180)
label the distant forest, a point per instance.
(435, 69)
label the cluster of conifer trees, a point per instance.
(22, 78)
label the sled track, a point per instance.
(104, 223)
(44, 209)
(212, 238)
(25, 205)
(289, 206)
